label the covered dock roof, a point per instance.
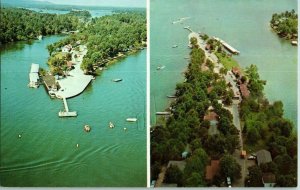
(34, 68)
(33, 77)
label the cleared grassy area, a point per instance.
(227, 61)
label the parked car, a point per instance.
(251, 157)
(228, 181)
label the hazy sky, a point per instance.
(115, 3)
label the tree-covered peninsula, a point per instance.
(217, 137)
(285, 24)
(21, 24)
(106, 38)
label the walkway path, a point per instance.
(77, 81)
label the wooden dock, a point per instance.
(67, 113)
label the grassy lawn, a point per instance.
(228, 62)
(59, 55)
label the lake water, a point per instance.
(244, 25)
(94, 13)
(47, 155)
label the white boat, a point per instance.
(117, 80)
(87, 128)
(111, 125)
(175, 46)
(160, 67)
(40, 37)
(131, 119)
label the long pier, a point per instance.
(67, 113)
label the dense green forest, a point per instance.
(187, 128)
(108, 37)
(22, 24)
(285, 24)
(265, 127)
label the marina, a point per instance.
(256, 42)
(80, 157)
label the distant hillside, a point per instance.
(49, 5)
(24, 3)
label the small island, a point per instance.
(285, 24)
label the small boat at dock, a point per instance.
(117, 80)
(111, 125)
(131, 119)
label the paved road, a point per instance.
(236, 121)
(161, 177)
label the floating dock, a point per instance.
(227, 46)
(67, 113)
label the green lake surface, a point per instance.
(47, 155)
(242, 24)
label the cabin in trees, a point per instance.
(269, 179)
(212, 118)
(241, 81)
(212, 170)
